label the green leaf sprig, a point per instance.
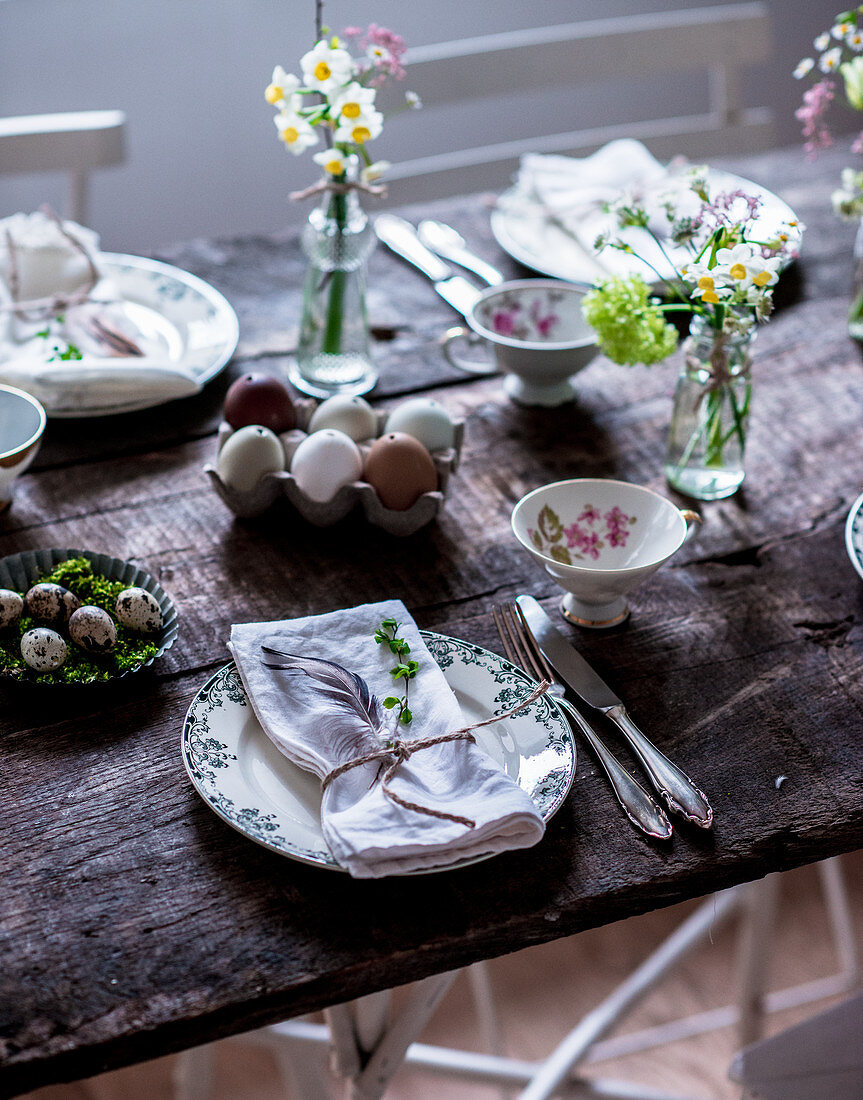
(387, 634)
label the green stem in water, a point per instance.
(332, 341)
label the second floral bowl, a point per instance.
(598, 539)
(539, 335)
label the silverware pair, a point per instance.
(532, 642)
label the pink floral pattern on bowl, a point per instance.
(520, 316)
(590, 536)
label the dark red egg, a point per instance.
(260, 399)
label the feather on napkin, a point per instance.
(320, 726)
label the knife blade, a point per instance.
(402, 238)
(679, 792)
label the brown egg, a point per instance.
(400, 469)
(260, 399)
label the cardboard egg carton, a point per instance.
(282, 484)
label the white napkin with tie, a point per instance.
(572, 190)
(369, 834)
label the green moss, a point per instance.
(79, 667)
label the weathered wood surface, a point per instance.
(134, 922)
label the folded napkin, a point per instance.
(572, 191)
(318, 728)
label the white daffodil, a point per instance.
(822, 41)
(351, 103)
(374, 171)
(326, 68)
(413, 101)
(829, 62)
(804, 67)
(855, 40)
(707, 290)
(378, 54)
(281, 87)
(295, 131)
(842, 30)
(332, 161)
(360, 130)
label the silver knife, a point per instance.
(674, 785)
(449, 243)
(402, 238)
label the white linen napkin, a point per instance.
(572, 191)
(367, 833)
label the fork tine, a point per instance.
(504, 636)
(514, 641)
(545, 669)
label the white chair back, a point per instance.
(713, 43)
(74, 142)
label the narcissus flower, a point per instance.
(352, 102)
(295, 131)
(361, 129)
(281, 87)
(326, 68)
(332, 161)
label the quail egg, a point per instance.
(93, 629)
(43, 649)
(139, 610)
(11, 606)
(50, 603)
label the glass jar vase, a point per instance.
(711, 412)
(333, 351)
(855, 312)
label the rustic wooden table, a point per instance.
(134, 922)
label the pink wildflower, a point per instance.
(616, 518)
(392, 49)
(617, 536)
(816, 100)
(352, 32)
(503, 322)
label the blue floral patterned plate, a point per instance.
(854, 534)
(243, 777)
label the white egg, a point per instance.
(43, 649)
(425, 420)
(247, 455)
(342, 413)
(93, 629)
(324, 462)
(11, 606)
(139, 610)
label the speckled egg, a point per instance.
(43, 649)
(51, 603)
(248, 455)
(342, 413)
(426, 420)
(139, 610)
(11, 606)
(93, 629)
(325, 462)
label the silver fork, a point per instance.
(521, 649)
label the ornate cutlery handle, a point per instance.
(680, 793)
(637, 804)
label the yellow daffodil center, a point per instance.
(351, 110)
(762, 278)
(274, 93)
(738, 271)
(361, 134)
(334, 167)
(290, 134)
(705, 283)
(323, 71)
(710, 296)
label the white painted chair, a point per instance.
(74, 143)
(702, 53)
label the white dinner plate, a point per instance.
(195, 326)
(524, 229)
(244, 778)
(854, 534)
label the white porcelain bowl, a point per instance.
(22, 422)
(539, 335)
(598, 539)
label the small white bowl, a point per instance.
(598, 539)
(539, 335)
(22, 422)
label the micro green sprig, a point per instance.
(387, 634)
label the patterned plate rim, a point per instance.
(245, 819)
(852, 524)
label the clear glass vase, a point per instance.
(855, 312)
(711, 412)
(333, 351)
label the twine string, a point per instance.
(401, 751)
(338, 188)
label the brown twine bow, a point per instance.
(720, 375)
(377, 189)
(401, 751)
(42, 308)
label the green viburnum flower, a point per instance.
(630, 328)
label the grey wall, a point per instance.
(203, 159)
